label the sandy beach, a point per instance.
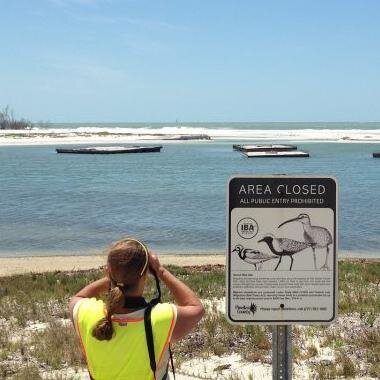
(38, 264)
(165, 133)
(150, 139)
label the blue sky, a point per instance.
(115, 61)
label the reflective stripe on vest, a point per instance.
(126, 355)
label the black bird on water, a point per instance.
(284, 247)
(252, 256)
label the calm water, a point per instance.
(174, 200)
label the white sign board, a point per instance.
(281, 250)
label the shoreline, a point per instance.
(6, 142)
(10, 266)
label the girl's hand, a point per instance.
(154, 264)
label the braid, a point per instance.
(103, 330)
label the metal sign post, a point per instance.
(281, 256)
(282, 352)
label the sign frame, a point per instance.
(334, 253)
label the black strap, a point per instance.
(148, 325)
(158, 287)
(171, 360)
(149, 332)
(149, 338)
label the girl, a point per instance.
(127, 337)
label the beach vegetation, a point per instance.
(374, 370)
(36, 334)
(57, 345)
(310, 352)
(359, 287)
(28, 372)
(234, 376)
(105, 133)
(324, 370)
(8, 120)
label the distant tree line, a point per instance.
(8, 121)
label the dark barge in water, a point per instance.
(376, 155)
(110, 149)
(264, 147)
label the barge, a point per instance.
(110, 149)
(264, 147)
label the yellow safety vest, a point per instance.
(126, 355)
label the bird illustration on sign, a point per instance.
(252, 256)
(316, 236)
(284, 247)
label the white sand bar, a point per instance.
(38, 264)
(91, 134)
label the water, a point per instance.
(174, 200)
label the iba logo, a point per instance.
(247, 228)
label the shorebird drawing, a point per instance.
(316, 236)
(284, 247)
(252, 256)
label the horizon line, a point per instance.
(208, 122)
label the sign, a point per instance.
(281, 250)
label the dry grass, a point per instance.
(25, 353)
(215, 336)
(56, 346)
